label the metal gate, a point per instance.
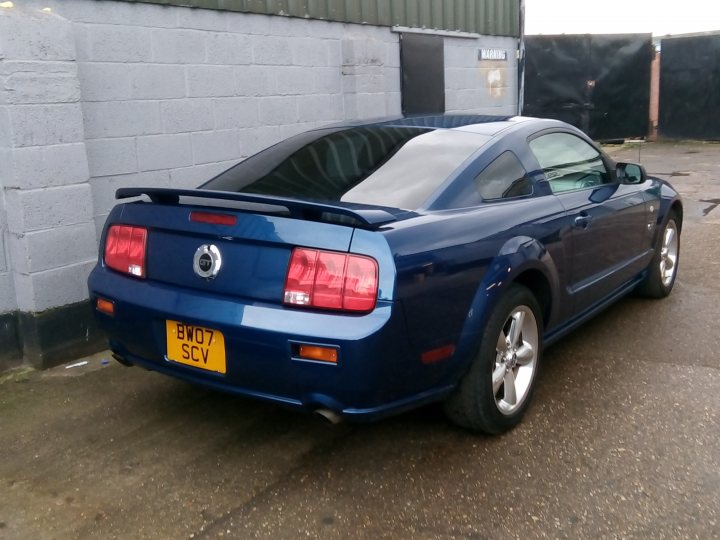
(690, 87)
(599, 83)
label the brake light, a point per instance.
(125, 249)
(213, 218)
(331, 280)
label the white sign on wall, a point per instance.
(492, 54)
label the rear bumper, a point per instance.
(376, 374)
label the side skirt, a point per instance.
(572, 324)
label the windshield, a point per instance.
(379, 165)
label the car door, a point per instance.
(606, 219)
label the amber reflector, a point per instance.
(435, 355)
(106, 306)
(321, 354)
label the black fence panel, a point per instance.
(599, 83)
(690, 88)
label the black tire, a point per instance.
(655, 284)
(473, 404)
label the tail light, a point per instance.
(125, 249)
(213, 218)
(330, 280)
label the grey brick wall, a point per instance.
(7, 287)
(48, 233)
(484, 87)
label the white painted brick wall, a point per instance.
(275, 111)
(8, 301)
(48, 248)
(236, 112)
(178, 46)
(40, 40)
(37, 167)
(114, 43)
(104, 82)
(214, 146)
(40, 82)
(108, 157)
(211, 81)
(45, 208)
(41, 125)
(52, 288)
(187, 115)
(228, 49)
(154, 81)
(46, 211)
(164, 151)
(474, 86)
(105, 119)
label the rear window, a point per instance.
(386, 166)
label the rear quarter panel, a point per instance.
(453, 265)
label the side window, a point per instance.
(569, 162)
(504, 178)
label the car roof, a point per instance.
(488, 125)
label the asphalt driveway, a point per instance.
(623, 438)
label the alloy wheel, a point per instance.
(515, 360)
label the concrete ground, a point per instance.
(622, 440)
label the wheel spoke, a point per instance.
(502, 344)
(497, 378)
(525, 354)
(509, 388)
(669, 234)
(516, 325)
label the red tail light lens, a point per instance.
(125, 249)
(330, 280)
(213, 218)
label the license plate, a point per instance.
(195, 346)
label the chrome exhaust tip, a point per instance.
(331, 416)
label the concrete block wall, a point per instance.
(47, 217)
(482, 87)
(7, 287)
(173, 96)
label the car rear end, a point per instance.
(275, 278)
(296, 311)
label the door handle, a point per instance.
(583, 220)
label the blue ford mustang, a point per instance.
(365, 269)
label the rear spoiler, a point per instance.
(367, 217)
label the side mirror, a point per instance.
(630, 173)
